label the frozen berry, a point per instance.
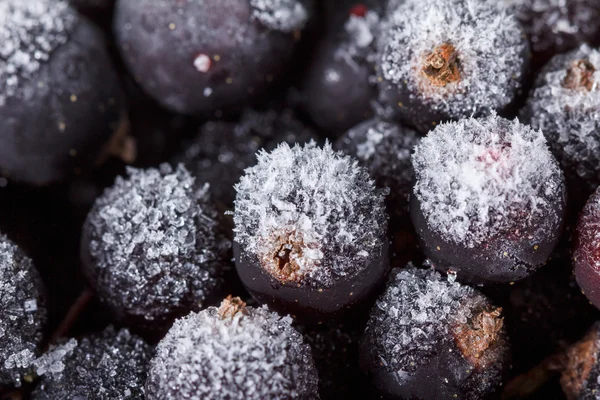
(565, 105)
(450, 59)
(153, 247)
(92, 6)
(310, 232)
(234, 352)
(339, 86)
(489, 199)
(223, 150)
(22, 312)
(586, 249)
(555, 26)
(200, 56)
(431, 338)
(60, 101)
(112, 364)
(580, 378)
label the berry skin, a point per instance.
(556, 26)
(432, 338)
(196, 57)
(60, 101)
(309, 236)
(153, 247)
(565, 105)
(339, 87)
(22, 310)
(450, 59)
(109, 365)
(233, 352)
(489, 199)
(221, 151)
(580, 378)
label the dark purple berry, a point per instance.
(310, 232)
(60, 101)
(565, 105)
(22, 313)
(200, 56)
(112, 364)
(432, 338)
(340, 87)
(90, 7)
(154, 248)
(580, 379)
(223, 150)
(489, 199)
(233, 352)
(586, 249)
(450, 59)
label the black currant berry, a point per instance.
(60, 101)
(310, 232)
(489, 199)
(195, 57)
(22, 313)
(153, 247)
(112, 364)
(450, 59)
(565, 105)
(223, 150)
(233, 352)
(340, 87)
(586, 249)
(432, 338)
(580, 379)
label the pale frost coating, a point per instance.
(317, 199)
(29, 32)
(52, 362)
(280, 15)
(478, 178)
(156, 243)
(570, 117)
(253, 356)
(359, 40)
(490, 46)
(109, 365)
(22, 312)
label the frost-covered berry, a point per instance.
(153, 247)
(489, 198)
(580, 379)
(450, 59)
(109, 365)
(310, 231)
(431, 338)
(340, 84)
(60, 101)
(233, 352)
(222, 150)
(555, 26)
(22, 312)
(201, 56)
(565, 105)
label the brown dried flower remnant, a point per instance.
(442, 66)
(231, 306)
(475, 337)
(580, 76)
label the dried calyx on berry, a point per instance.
(449, 59)
(310, 231)
(581, 374)
(489, 199)
(430, 338)
(232, 352)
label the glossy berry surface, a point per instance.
(449, 59)
(586, 250)
(489, 199)
(153, 247)
(309, 236)
(232, 352)
(23, 311)
(60, 101)
(222, 150)
(221, 53)
(432, 338)
(112, 364)
(565, 105)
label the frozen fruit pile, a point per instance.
(299, 199)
